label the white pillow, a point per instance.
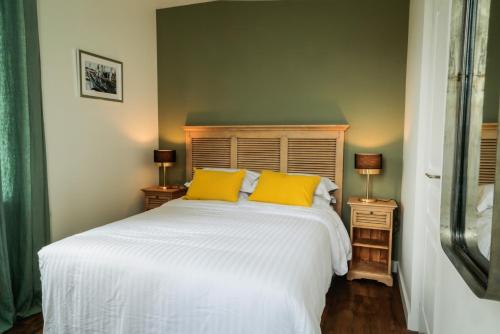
(333, 200)
(321, 203)
(486, 195)
(249, 182)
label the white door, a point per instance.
(436, 44)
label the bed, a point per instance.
(209, 266)
(487, 172)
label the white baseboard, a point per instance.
(395, 267)
(427, 329)
(404, 295)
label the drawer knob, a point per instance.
(371, 212)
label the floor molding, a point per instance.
(395, 267)
(404, 295)
(426, 324)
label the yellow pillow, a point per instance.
(215, 185)
(282, 188)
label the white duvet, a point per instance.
(196, 267)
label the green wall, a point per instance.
(492, 80)
(299, 62)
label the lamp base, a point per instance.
(170, 186)
(367, 200)
(164, 184)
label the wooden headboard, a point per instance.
(488, 155)
(311, 149)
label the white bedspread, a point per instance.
(196, 267)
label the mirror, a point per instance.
(481, 169)
(470, 205)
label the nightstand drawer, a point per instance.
(160, 197)
(154, 201)
(157, 196)
(371, 218)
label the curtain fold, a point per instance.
(24, 213)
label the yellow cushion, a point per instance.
(215, 185)
(282, 188)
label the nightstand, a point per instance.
(371, 238)
(156, 196)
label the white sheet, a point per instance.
(196, 267)
(484, 220)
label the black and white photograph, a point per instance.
(100, 77)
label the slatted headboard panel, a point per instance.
(313, 156)
(488, 155)
(211, 152)
(259, 153)
(312, 149)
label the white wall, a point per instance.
(99, 153)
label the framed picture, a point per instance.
(100, 77)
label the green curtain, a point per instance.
(24, 213)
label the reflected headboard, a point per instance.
(311, 149)
(488, 154)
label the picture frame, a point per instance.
(100, 77)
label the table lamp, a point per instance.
(368, 164)
(164, 159)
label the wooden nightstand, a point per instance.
(156, 196)
(371, 238)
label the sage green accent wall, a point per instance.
(492, 80)
(299, 62)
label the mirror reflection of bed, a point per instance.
(485, 195)
(490, 110)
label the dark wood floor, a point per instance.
(31, 325)
(363, 307)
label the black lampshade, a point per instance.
(161, 156)
(368, 161)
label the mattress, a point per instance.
(196, 267)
